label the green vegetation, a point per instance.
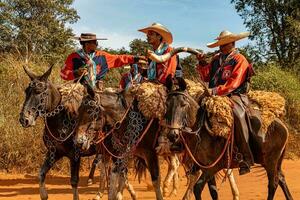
(37, 31)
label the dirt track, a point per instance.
(252, 186)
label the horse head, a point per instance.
(181, 110)
(40, 97)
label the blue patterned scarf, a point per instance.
(91, 67)
(151, 73)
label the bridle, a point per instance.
(183, 127)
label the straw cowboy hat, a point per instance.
(88, 37)
(161, 30)
(227, 37)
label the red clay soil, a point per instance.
(252, 186)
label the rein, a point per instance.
(216, 161)
(182, 129)
(117, 125)
(56, 111)
(134, 147)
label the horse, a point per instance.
(44, 99)
(115, 115)
(184, 126)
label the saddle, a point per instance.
(253, 117)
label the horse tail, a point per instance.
(140, 168)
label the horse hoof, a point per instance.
(44, 195)
(173, 193)
(90, 182)
(98, 196)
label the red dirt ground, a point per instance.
(252, 186)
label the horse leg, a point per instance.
(175, 163)
(102, 178)
(192, 177)
(212, 186)
(282, 182)
(92, 172)
(272, 161)
(130, 189)
(153, 167)
(198, 188)
(284, 186)
(49, 161)
(114, 182)
(75, 166)
(233, 186)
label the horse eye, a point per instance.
(184, 104)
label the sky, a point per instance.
(193, 23)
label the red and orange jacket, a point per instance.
(228, 78)
(164, 69)
(104, 61)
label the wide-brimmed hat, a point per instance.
(161, 30)
(88, 37)
(227, 37)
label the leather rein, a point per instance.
(182, 129)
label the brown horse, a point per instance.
(184, 112)
(133, 127)
(43, 99)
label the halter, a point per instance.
(182, 128)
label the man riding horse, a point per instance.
(228, 74)
(93, 64)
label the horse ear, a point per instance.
(46, 75)
(90, 91)
(181, 83)
(169, 82)
(31, 75)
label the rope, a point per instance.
(134, 147)
(212, 164)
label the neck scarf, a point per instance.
(90, 65)
(151, 73)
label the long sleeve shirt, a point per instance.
(164, 69)
(225, 77)
(104, 61)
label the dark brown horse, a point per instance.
(184, 112)
(133, 128)
(43, 99)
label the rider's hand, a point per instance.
(81, 71)
(201, 59)
(200, 56)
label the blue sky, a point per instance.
(193, 23)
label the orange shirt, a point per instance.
(166, 68)
(104, 61)
(228, 77)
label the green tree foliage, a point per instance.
(139, 47)
(274, 25)
(36, 27)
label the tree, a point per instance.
(274, 25)
(36, 27)
(139, 47)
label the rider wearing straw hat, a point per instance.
(93, 63)
(160, 38)
(228, 74)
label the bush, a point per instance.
(272, 78)
(23, 149)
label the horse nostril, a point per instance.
(173, 136)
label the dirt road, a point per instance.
(251, 187)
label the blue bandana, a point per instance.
(151, 73)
